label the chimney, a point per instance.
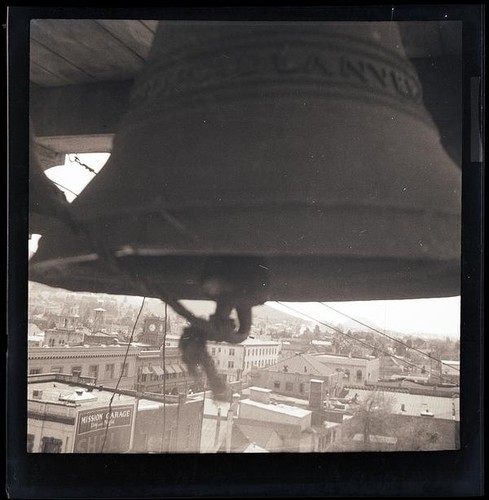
(260, 395)
(316, 394)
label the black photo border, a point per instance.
(451, 473)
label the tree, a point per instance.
(317, 332)
(372, 418)
(423, 434)
(373, 414)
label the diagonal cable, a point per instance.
(388, 336)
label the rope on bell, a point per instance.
(220, 327)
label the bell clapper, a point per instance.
(234, 284)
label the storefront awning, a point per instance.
(146, 370)
(158, 370)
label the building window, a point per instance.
(35, 371)
(51, 445)
(301, 388)
(109, 371)
(276, 384)
(231, 352)
(124, 369)
(30, 443)
(213, 351)
(359, 375)
(289, 386)
(230, 364)
(56, 369)
(76, 370)
(93, 371)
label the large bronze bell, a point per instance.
(293, 161)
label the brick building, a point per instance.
(103, 363)
(152, 375)
(292, 376)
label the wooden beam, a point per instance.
(83, 117)
(101, 143)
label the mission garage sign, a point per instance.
(92, 425)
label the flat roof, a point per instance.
(278, 408)
(51, 392)
(260, 389)
(341, 357)
(286, 399)
(257, 342)
(211, 406)
(414, 404)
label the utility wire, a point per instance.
(63, 187)
(348, 335)
(164, 381)
(77, 160)
(388, 336)
(121, 374)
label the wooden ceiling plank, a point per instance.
(135, 35)
(43, 78)
(152, 25)
(89, 46)
(56, 65)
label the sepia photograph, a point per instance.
(244, 236)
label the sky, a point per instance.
(438, 316)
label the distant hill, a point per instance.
(267, 313)
(206, 308)
(354, 326)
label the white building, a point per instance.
(235, 361)
(259, 407)
(357, 370)
(262, 424)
